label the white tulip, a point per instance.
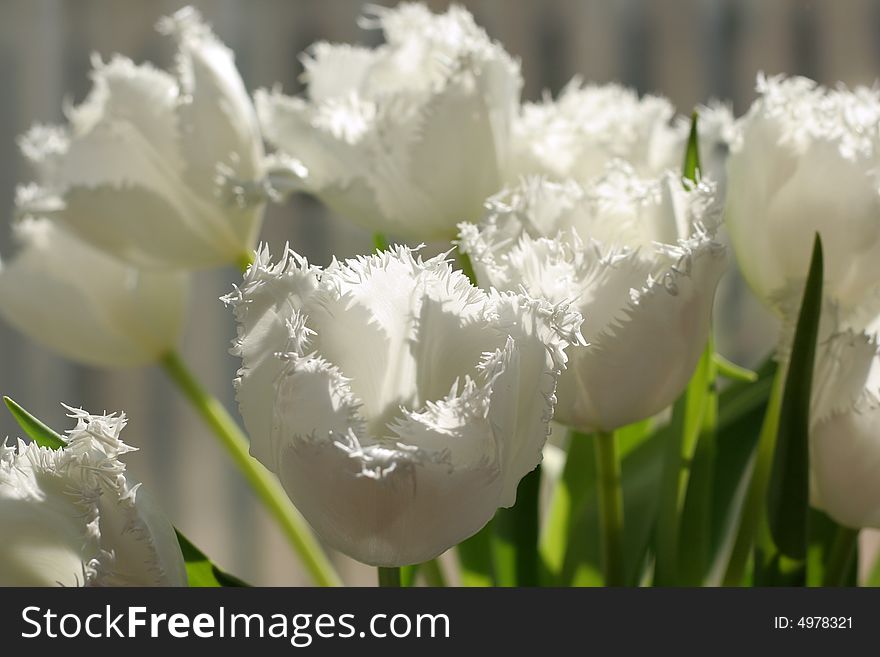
(576, 135)
(156, 169)
(805, 160)
(71, 516)
(845, 430)
(398, 404)
(635, 257)
(408, 138)
(87, 305)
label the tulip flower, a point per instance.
(588, 126)
(72, 516)
(635, 257)
(844, 435)
(805, 160)
(398, 404)
(408, 138)
(87, 305)
(157, 170)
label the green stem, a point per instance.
(840, 559)
(610, 495)
(389, 577)
(265, 485)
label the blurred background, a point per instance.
(687, 50)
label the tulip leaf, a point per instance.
(832, 552)
(475, 558)
(695, 531)
(733, 371)
(515, 536)
(741, 409)
(873, 577)
(408, 576)
(467, 268)
(379, 242)
(748, 524)
(691, 169)
(681, 437)
(35, 429)
(200, 571)
(570, 547)
(788, 490)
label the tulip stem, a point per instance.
(840, 560)
(264, 483)
(610, 496)
(389, 577)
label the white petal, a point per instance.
(73, 515)
(643, 359)
(805, 160)
(218, 123)
(266, 308)
(588, 126)
(403, 405)
(50, 542)
(335, 70)
(87, 306)
(384, 144)
(389, 502)
(155, 172)
(527, 370)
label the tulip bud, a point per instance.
(154, 169)
(72, 517)
(87, 305)
(805, 160)
(408, 138)
(398, 404)
(635, 257)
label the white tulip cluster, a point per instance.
(399, 403)
(804, 160)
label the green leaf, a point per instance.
(873, 578)
(741, 409)
(515, 536)
(467, 268)
(200, 571)
(691, 169)
(733, 371)
(832, 552)
(680, 437)
(755, 494)
(788, 492)
(475, 558)
(695, 535)
(34, 428)
(570, 547)
(563, 531)
(408, 575)
(379, 242)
